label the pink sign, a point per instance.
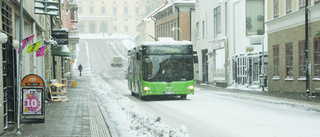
(32, 101)
(25, 42)
(40, 51)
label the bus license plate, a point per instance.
(168, 92)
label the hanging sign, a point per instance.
(25, 42)
(34, 47)
(40, 51)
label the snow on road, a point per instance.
(237, 117)
(125, 118)
(204, 114)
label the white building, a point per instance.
(223, 33)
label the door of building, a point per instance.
(9, 68)
(204, 66)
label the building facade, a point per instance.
(110, 16)
(48, 67)
(287, 45)
(174, 20)
(32, 25)
(230, 39)
(147, 26)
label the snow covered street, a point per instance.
(207, 113)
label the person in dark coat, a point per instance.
(80, 68)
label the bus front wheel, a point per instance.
(141, 97)
(183, 96)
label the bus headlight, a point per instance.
(190, 87)
(146, 88)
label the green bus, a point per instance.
(163, 67)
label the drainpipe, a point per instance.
(234, 26)
(234, 36)
(155, 28)
(20, 69)
(178, 21)
(306, 50)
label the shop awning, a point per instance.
(60, 50)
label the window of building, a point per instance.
(81, 28)
(126, 28)
(289, 6)
(276, 61)
(80, 9)
(125, 8)
(115, 29)
(254, 17)
(114, 8)
(317, 57)
(91, 10)
(92, 27)
(74, 15)
(217, 21)
(103, 10)
(289, 60)
(302, 64)
(276, 8)
(137, 8)
(203, 29)
(197, 30)
(302, 4)
(206, 23)
(171, 31)
(175, 32)
(103, 27)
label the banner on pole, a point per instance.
(25, 42)
(34, 47)
(40, 51)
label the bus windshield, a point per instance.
(167, 68)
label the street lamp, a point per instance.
(174, 28)
(318, 34)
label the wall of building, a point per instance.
(294, 35)
(120, 20)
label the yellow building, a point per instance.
(110, 16)
(286, 23)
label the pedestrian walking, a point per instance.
(80, 68)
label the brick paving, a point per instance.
(80, 116)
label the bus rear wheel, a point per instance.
(183, 96)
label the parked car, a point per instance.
(116, 61)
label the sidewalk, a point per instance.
(80, 116)
(296, 100)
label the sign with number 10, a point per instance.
(32, 101)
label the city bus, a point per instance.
(164, 67)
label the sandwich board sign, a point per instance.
(33, 106)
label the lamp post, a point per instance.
(174, 28)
